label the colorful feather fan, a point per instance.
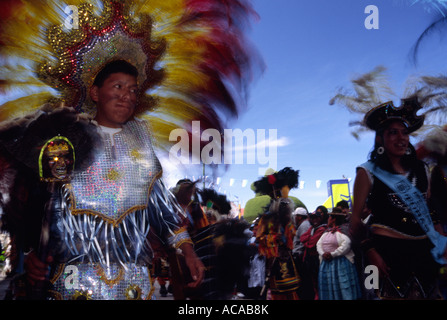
(196, 59)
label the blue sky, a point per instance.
(311, 48)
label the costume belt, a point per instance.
(387, 231)
(87, 281)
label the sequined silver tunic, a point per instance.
(108, 211)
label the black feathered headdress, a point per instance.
(23, 139)
(270, 184)
(211, 199)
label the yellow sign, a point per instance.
(338, 190)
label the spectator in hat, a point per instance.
(337, 277)
(310, 262)
(301, 220)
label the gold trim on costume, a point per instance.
(133, 288)
(55, 295)
(59, 270)
(110, 282)
(81, 295)
(107, 219)
(178, 244)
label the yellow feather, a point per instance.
(23, 106)
(24, 36)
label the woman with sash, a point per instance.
(401, 236)
(433, 149)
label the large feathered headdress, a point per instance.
(372, 99)
(194, 61)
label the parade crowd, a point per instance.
(86, 210)
(185, 237)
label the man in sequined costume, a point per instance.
(110, 210)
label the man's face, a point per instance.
(315, 220)
(298, 219)
(115, 99)
(343, 210)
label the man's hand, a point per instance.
(196, 267)
(375, 259)
(36, 270)
(327, 256)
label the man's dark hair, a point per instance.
(325, 211)
(343, 204)
(322, 208)
(117, 66)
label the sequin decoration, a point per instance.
(396, 201)
(113, 175)
(133, 292)
(83, 282)
(104, 224)
(116, 184)
(82, 295)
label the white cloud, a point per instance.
(266, 143)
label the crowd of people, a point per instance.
(397, 223)
(287, 253)
(322, 258)
(90, 217)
